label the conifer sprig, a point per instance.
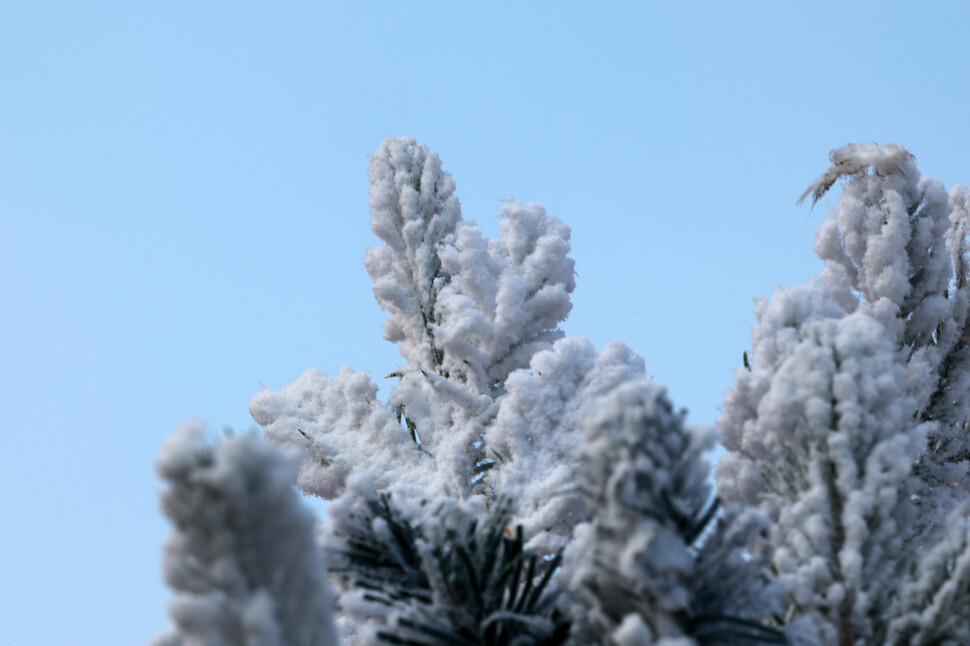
(439, 576)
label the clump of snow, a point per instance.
(243, 558)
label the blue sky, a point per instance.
(183, 213)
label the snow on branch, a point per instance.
(833, 440)
(338, 426)
(841, 514)
(434, 571)
(506, 297)
(243, 559)
(854, 159)
(468, 312)
(656, 561)
(848, 424)
(413, 209)
(539, 428)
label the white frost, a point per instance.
(243, 559)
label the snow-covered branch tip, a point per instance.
(243, 559)
(858, 158)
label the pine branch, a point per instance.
(441, 576)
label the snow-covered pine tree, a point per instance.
(848, 425)
(519, 487)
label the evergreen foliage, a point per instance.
(243, 559)
(656, 560)
(519, 487)
(443, 574)
(849, 426)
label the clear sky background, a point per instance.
(183, 213)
